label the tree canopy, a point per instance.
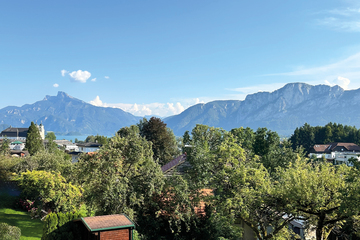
(50, 136)
(306, 136)
(50, 189)
(34, 142)
(162, 138)
(123, 174)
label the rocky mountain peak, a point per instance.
(63, 95)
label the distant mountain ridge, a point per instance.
(63, 113)
(282, 110)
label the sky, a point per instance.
(161, 57)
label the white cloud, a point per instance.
(80, 76)
(349, 64)
(158, 109)
(97, 102)
(56, 85)
(346, 19)
(63, 72)
(107, 77)
(93, 80)
(341, 81)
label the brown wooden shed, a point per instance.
(107, 227)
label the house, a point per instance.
(17, 145)
(14, 133)
(107, 227)
(89, 147)
(20, 133)
(67, 145)
(336, 152)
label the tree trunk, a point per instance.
(320, 227)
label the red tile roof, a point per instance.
(100, 223)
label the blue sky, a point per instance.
(160, 57)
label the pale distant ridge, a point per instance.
(64, 113)
(282, 110)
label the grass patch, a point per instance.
(31, 229)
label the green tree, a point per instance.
(281, 156)
(98, 139)
(254, 199)
(5, 147)
(123, 174)
(50, 136)
(127, 131)
(202, 156)
(162, 138)
(8, 165)
(57, 161)
(265, 141)
(244, 189)
(172, 214)
(34, 143)
(49, 190)
(244, 136)
(321, 193)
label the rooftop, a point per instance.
(328, 148)
(107, 222)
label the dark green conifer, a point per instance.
(34, 143)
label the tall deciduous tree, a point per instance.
(50, 136)
(265, 141)
(122, 174)
(244, 189)
(321, 192)
(34, 142)
(162, 138)
(244, 136)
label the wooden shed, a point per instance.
(107, 227)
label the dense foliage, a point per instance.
(8, 232)
(162, 138)
(59, 226)
(123, 175)
(49, 190)
(34, 141)
(307, 136)
(232, 179)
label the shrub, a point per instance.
(8, 232)
(58, 226)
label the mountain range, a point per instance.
(65, 114)
(282, 111)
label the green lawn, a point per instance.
(31, 229)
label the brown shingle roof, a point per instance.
(328, 148)
(106, 222)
